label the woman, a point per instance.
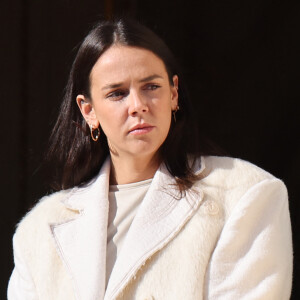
(140, 214)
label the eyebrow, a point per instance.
(119, 84)
(112, 86)
(151, 77)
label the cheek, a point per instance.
(108, 112)
(111, 119)
(165, 120)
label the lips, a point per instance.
(141, 128)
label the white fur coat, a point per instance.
(229, 237)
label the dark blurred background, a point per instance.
(240, 60)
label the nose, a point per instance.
(137, 104)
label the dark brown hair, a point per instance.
(78, 158)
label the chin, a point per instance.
(145, 151)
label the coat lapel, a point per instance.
(160, 217)
(81, 242)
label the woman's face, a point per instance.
(131, 99)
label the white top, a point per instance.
(124, 201)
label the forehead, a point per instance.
(120, 62)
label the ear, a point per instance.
(174, 92)
(87, 110)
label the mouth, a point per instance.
(141, 129)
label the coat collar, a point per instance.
(81, 242)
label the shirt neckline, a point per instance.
(127, 186)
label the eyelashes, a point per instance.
(152, 87)
(117, 95)
(120, 94)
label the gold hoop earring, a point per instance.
(174, 112)
(96, 136)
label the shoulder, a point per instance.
(234, 170)
(233, 173)
(49, 210)
(229, 181)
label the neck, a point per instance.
(131, 170)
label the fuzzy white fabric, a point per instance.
(229, 238)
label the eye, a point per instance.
(152, 87)
(116, 95)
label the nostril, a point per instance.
(138, 107)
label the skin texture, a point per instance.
(130, 87)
